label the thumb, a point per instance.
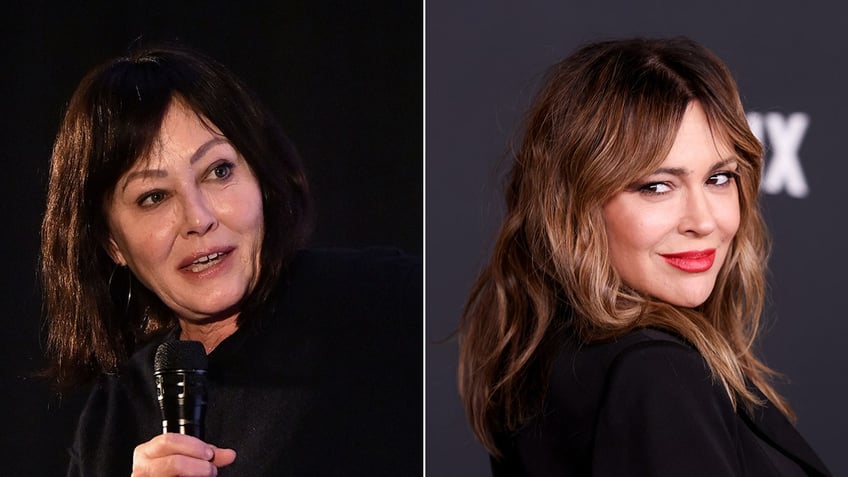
(223, 457)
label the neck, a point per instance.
(211, 334)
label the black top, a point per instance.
(646, 405)
(328, 383)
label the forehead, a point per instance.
(181, 124)
(698, 138)
(183, 131)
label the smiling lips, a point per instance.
(695, 261)
(206, 261)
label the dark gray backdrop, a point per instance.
(483, 62)
(344, 78)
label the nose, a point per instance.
(198, 215)
(697, 217)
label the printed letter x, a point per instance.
(785, 137)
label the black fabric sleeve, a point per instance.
(663, 415)
(106, 434)
(89, 429)
(74, 461)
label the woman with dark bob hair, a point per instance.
(177, 210)
(612, 331)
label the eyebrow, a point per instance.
(680, 171)
(195, 156)
(205, 147)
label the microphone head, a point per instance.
(180, 356)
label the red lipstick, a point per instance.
(694, 261)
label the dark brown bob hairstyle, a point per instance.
(112, 121)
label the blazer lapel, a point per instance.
(773, 427)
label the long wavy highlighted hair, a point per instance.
(605, 117)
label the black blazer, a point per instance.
(646, 405)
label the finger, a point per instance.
(171, 443)
(223, 457)
(174, 465)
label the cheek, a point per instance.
(146, 240)
(632, 229)
(621, 228)
(728, 216)
(253, 227)
(250, 214)
(243, 212)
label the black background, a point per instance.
(345, 79)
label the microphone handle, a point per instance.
(182, 401)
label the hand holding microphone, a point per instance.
(180, 374)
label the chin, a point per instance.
(690, 299)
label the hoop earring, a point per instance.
(114, 294)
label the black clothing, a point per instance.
(646, 405)
(327, 383)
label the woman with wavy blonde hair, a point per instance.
(612, 331)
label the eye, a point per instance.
(151, 198)
(655, 188)
(221, 170)
(721, 179)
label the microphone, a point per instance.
(180, 372)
